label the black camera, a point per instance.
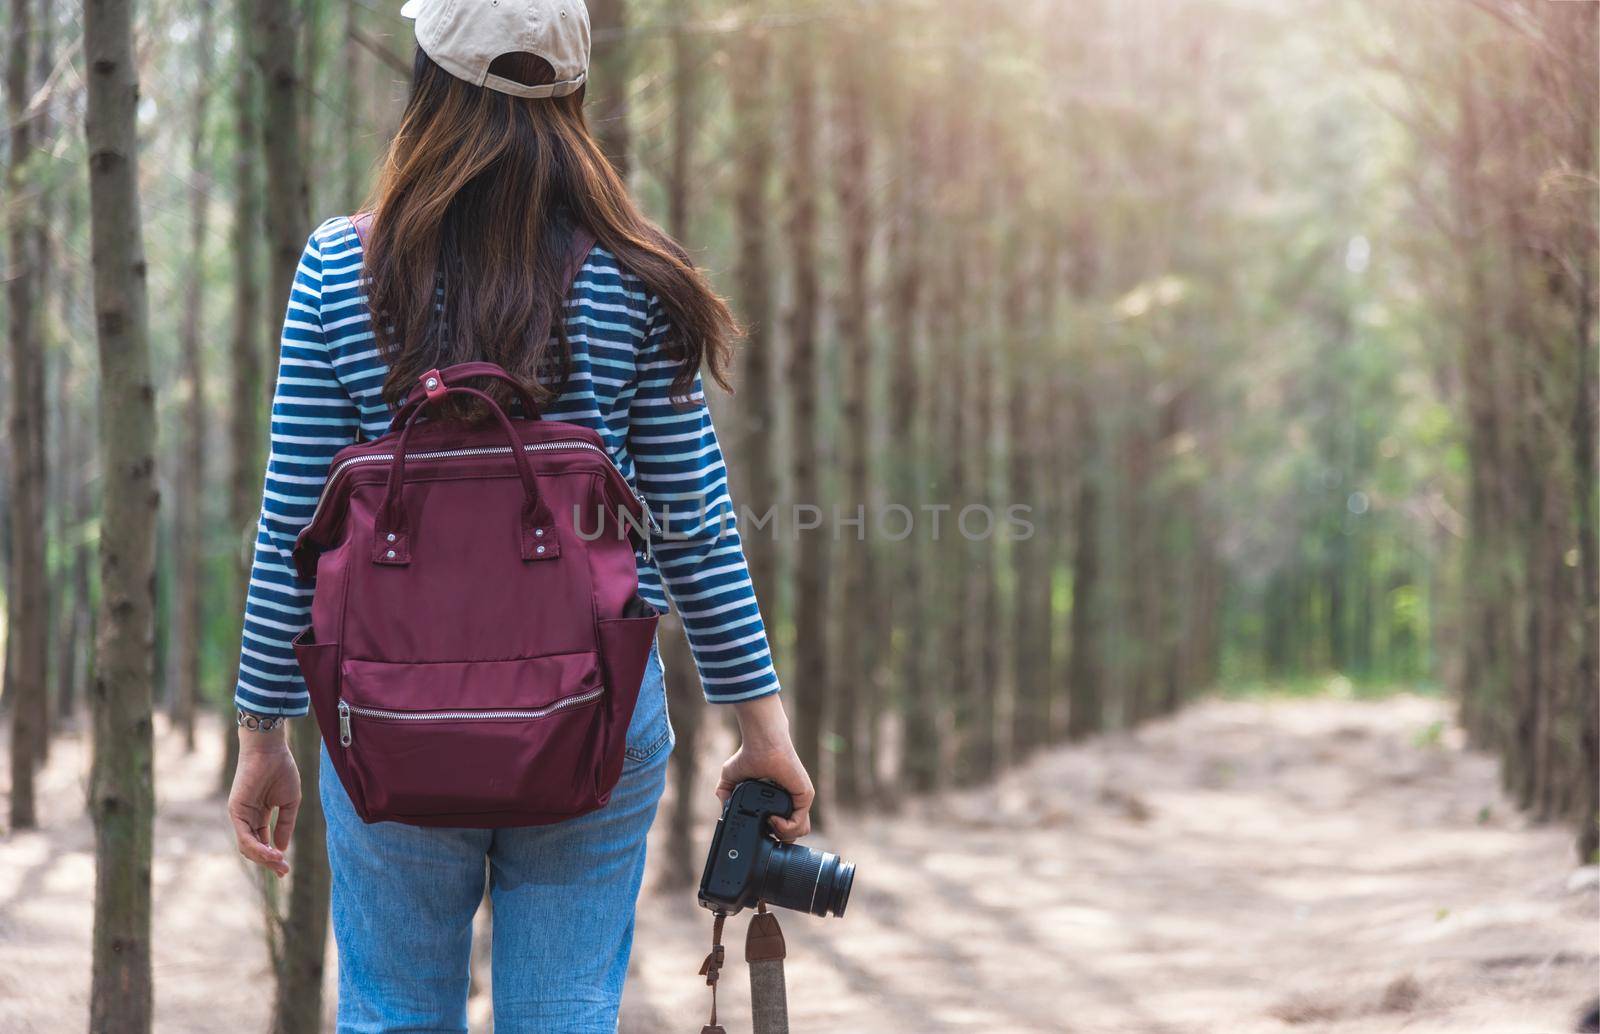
(747, 864)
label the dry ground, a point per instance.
(1265, 866)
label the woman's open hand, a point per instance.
(267, 778)
(766, 752)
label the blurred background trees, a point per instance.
(1278, 320)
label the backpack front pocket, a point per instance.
(477, 741)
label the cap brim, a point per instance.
(411, 9)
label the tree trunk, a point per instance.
(950, 426)
(909, 613)
(1588, 710)
(856, 610)
(685, 87)
(28, 640)
(1064, 453)
(52, 361)
(1031, 557)
(245, 412)
(353, 167)
(1133, 506)
(810, 683)
(1494, 595)
(121, 783)
(78, 401)
(685, 847)
(311, 72)
(980, 615)
(64, 607)
(1583, 783)
(758, 458)
(1085, 674)
(188, 618)
(77, 630)
(298, 1006)
(608, 84)
(684, 698)
(287, 187)
(1585, 476)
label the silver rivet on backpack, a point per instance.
(432, 382)
(539, 550)
(390, 536)
(391, 554)
(538, 533)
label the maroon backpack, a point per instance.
(477, 639)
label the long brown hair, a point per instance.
(473, 218)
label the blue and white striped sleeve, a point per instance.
(312, 418)
(685, 483)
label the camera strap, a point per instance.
(764, 952)
(711, 969)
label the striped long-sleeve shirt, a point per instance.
(330, 380)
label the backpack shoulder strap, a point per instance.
(361, 222)
(583, 242)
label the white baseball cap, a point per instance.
(465, 36)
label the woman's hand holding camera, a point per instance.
(766, 752)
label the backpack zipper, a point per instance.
(347, 709)
(487, 450)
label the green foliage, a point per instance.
(1321, 685)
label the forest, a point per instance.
(1101, 359)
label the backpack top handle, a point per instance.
(391, 541)
(452, 376)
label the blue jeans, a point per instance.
(562, 897)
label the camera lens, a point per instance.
(806, 880)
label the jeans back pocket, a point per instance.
(650, 729)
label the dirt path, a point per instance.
(1329, 866)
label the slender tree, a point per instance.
(685, 56)
(1572, 283)
(121, 783)
(980, 613)
(749, 75)
(1032, 562)
(47, 255)
(908, 615)
(950, 424)
(188, 619)
(1085, 674)
(278, 60)
(310, 71)
(353, 168)
(278, 56)
(683, 683)
(1075, 403)
(27, 640)
(810, 553)
(245, 413)
(857, 582)
(77, 391)
(610, 67)
(1586, 475)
